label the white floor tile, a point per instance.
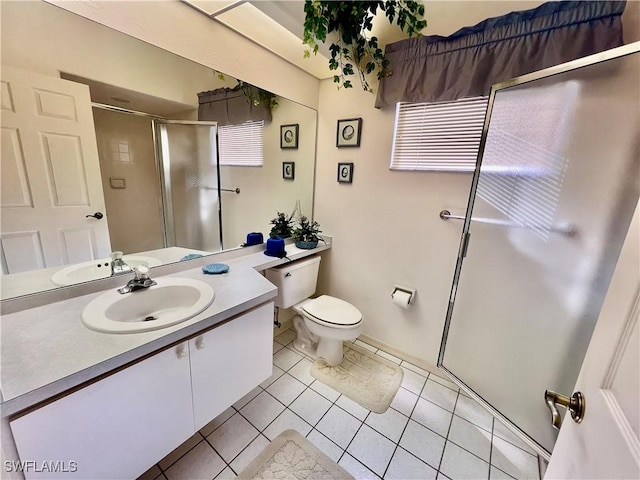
(248, 454)
(440, 395)
(372, 449)
(286, 358)
(472, 411)
(504, 433)
(286, 337)
(414, 368)
(311, 406)
(423, 443)
(325, 390)
(285, 421)
(412, 381)
(390, 423)
(352, 407)
(513, 460)
(459, 464)
(262, 410)
(443, 381)
(442, 476)
(247, 398)
(230, 438)
(338, 426)
(216, 422)
(226, 474)
(405, 466)
(302, 371)
(179, 451)
(470, 437)
(404, 401)
(432, 416)
(202, 462)
(286, 388)
(330, 449)
(151, 474)
(366, 346)
(389, 357)
(355, 468)
(277, 373)
(277, 347)
(497, 474)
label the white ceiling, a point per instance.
(278, 25)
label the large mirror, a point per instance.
(43, 42)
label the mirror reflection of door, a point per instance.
(51, 187)
(550, 208)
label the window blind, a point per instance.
(242, 145)
(441, 136)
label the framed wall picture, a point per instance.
(289, 136)
(348, 133)
(288, 170)
(345, 172)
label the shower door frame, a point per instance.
(164, 167)
(464, 240)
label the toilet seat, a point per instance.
(332, 312)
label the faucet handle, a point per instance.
(141, 272)
(117, 255)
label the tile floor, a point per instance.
(431, 431)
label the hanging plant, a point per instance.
(353, 48)
(255, 95)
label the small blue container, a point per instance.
(254, 238)
(275, 247)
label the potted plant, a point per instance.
(306, 233)
(282, 226)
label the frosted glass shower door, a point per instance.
(549, 210)
(189, 163)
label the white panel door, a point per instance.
(229, 361)
(115, 428)
(50, 174)
(606, 444)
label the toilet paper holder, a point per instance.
(400, 288)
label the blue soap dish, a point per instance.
(191, 256)
(216, 268)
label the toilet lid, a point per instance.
(332, 310)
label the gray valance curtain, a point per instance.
(230, 106)
(467, 63)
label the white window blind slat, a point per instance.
(242, 145)
(441, 136)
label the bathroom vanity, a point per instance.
(87, 404)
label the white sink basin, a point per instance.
(95, 269)
(171, 301)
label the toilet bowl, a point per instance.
(322, 324)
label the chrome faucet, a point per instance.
(140, 280)
(117, 264)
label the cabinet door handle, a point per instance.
(200, 343)
(181, 352)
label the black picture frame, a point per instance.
(289, 135)
(345, 172)
(289, 170)
(348, 132)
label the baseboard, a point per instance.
(400, 354)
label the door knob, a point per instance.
(96, 215)
(576, 406)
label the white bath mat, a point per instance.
(366, 378)
(292, 457)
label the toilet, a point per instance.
(322, 323)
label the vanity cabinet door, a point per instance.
(117, 427)
(229, 361)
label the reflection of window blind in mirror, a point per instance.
(523, 164)
(438, 136)
(242, 145)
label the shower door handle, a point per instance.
(576, 406)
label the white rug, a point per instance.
(292, 457)
(366, 378)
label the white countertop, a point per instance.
(47, 350)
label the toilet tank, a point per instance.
(296, 281)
